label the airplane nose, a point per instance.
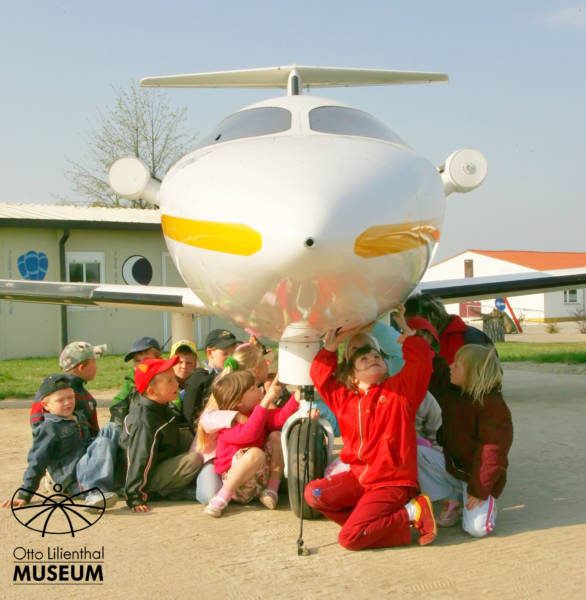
(321, 230)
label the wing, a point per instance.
(172, 299)
(515, 284)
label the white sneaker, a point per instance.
(94, 500)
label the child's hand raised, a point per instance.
(334, 337)
(399, 316)
(273, 392)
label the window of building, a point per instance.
(350, 121)
(468, 268)
(570, 296)
(85, 267)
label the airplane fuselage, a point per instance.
(299, 214)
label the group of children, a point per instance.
(415, 429)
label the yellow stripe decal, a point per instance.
(380, 240)
(232, 238)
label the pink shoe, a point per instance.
(450, 515)
(215, 507)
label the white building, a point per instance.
(536, 307)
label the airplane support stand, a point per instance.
(181, 326)
(307, 395)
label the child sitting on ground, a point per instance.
(62, 446)
(377, 500)
(249, 456)
(476, 436)
(156, 447)
(78, 361)
(124, 400)
(248, 357)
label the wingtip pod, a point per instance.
(130, 178)
(463, 171)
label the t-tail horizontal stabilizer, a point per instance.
(281, 77)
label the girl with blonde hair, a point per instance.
(248, 458)
(476, 436)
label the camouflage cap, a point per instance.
(76, 352)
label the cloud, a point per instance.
(571, 16)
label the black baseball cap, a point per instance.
(144, 343)
(53, 383)
(220, 338)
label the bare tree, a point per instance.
(140, 123)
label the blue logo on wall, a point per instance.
(33, 265)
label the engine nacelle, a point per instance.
(130, 178)
(463, 171)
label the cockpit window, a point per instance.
(249, 123)
(350, 121)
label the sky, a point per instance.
(517, 90)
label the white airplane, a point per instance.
(296, 215)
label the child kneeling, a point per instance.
(376, 501)
(62, 446)
(476, 436)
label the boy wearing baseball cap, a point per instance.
(156, 447)
(219, 345)
(187, 353)
(62, 446)
(144, 347)
(78, 361)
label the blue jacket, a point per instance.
(58, 444)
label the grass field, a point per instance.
(20, 378)
(571, 353)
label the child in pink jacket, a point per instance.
(248, 455)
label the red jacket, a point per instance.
(457, 334)
(252, 434)
(476, 439)
(378, 426)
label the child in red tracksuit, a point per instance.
(376, 501)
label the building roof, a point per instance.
(74, 216)
(538, 261)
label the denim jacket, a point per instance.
(58, 444)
